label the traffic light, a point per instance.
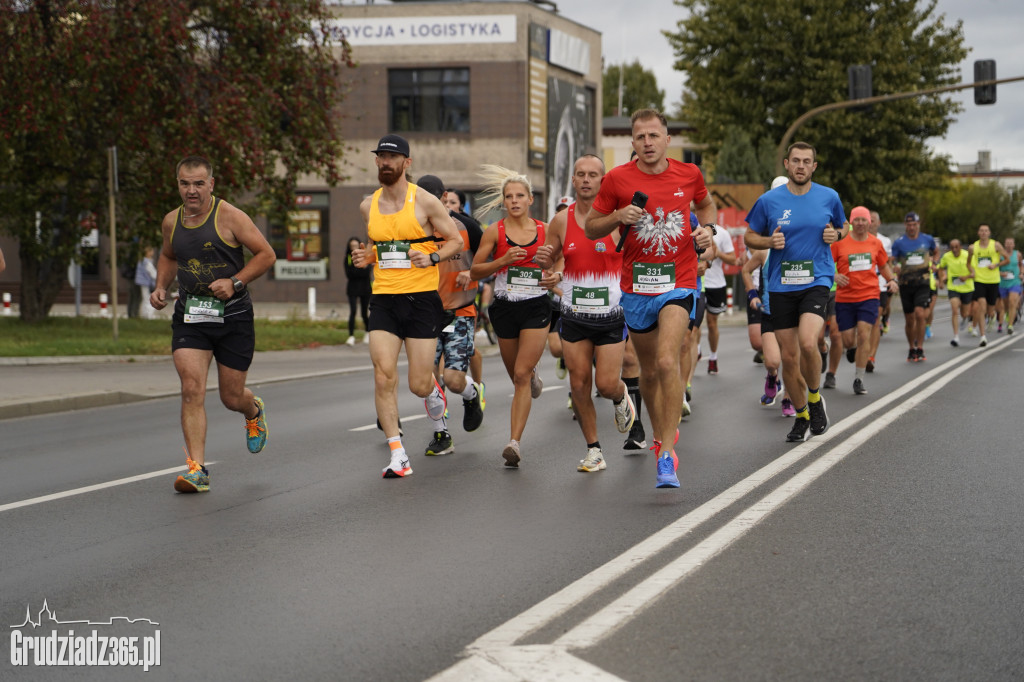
(985, 70)
(859, 78)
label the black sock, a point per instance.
(633, 387)
(595, 444)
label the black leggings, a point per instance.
(358, 291)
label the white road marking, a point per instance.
(90, 488)
(490, 646)
(401, 419)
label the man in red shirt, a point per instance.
(857, 307)
(659, 266)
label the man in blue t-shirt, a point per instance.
(798, 221)
(913, 253)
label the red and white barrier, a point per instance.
(104, 311)
(728, 301)
(7, 304)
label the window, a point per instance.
(429, 100)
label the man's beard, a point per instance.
(800, 183)
(388, 176)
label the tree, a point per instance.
(957, 208)
(740, 160)
(760, 66)
(639, 89)
(252, 86)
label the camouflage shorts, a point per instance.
(456, 344)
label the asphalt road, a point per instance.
(887, 549)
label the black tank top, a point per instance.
(204, 257)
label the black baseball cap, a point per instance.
(911, 218)
(432, 184)
(393, 143)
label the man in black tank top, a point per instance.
(213, 317)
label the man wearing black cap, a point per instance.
(455, 342)
(913, 253)
(403, 223)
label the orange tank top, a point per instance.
(394, 236)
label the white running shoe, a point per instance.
(399, 467)
(594, 461)
(625, 413)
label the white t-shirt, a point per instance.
(714, 278)
(887, 245)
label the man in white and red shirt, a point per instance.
(659, 266)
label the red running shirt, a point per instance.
(520, 280)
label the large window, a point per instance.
(429, 100)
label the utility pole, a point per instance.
(780, 151)
(111, 191)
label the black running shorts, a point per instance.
(408, 316)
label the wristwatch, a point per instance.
(434, 258)
(238, 284)
(712, 227)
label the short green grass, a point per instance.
(95, 336)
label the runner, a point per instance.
(884, 299)
(455, 342)
(203, 244)
(521, 311)
(957, 275)
(592, 326)
(659, 267)
(403, 223)
(913, 253)
(987, 256)
(1010, 283)
(858, 257)
(716, 291)
(797, 222)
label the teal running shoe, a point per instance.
(256, 429)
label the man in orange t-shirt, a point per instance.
(857, 257)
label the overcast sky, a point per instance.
(992, 30)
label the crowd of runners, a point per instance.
(617, 286)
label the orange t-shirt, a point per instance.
(859, 261)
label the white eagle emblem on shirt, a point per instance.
(657, 236)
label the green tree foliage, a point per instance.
(252, 86)
(740, 160)
(761, 65)
(639, 89)
(958, 207)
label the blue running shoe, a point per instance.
(667, 472)
(256, 429)
(195, 481)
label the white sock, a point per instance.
(469, 392)
(435, 403)
(713, 356)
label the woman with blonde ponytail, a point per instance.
(521, 311)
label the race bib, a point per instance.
(523, 280)
(1006, 274)
(984, 262)
(393, 255)
(592, 300)
(915, 259)
(654, 278)
(958, 281)
(203, 309)
(797, 272)
(859, 262)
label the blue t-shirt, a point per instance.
(922, 246)
(806, 260)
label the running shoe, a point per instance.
(758, 358)
(920, 355)
(798, 433)
(927, 331)
(436, 403)
(625, 413)
(689, 392)
(871, 365)
(536, 385)
(983, 342)
(772, 386)
(482, 387)
(971, 330)
(712, 366)
(667, 465)
(912, 355)
(350, 341)
(686, 409)
(830, 380)
(824, 360)
(851, 354)
(1009, 330)
(1000, 329)
(441, 444)
(885, 325)
(594, 461)
(560, 369)
(954, 342)
(256, 429)
(195, 481)
(819, 418)
(637, 439)
(473, 415)
(787, 408)
(511, 454)
(858, 387)
(399, 467)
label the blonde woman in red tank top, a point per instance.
(521, 311)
